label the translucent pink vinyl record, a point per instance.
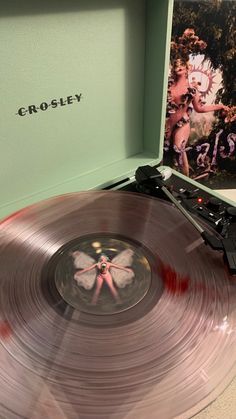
(111, 307)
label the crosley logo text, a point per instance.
(44, 106)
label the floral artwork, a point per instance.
(200, 133)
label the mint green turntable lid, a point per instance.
(83, 87)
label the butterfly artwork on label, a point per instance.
(115, 273)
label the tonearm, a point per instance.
(153, 179)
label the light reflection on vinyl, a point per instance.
(158, 340)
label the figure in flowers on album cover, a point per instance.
(200, 135)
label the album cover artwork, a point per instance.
(200, 131)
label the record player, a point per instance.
(85, 96)
(85, 105)
(95, 112)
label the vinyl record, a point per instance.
(112, 307)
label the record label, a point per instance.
(102, 274)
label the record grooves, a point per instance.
(153, 341)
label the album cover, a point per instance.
(200, 131)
